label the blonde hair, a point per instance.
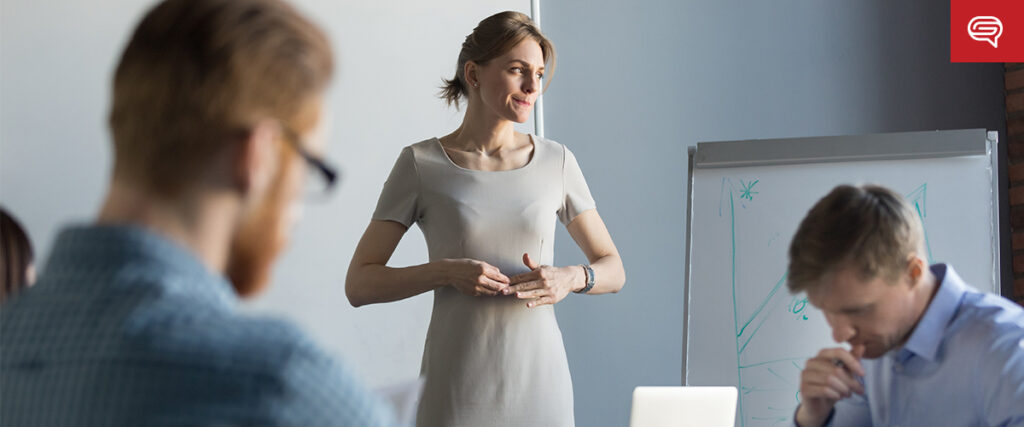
(493, 37)
(869, 228)
(198, 73)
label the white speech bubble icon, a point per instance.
(985, 29)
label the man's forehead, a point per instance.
(838, 289)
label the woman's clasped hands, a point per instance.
(543, 284)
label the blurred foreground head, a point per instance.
(215, 99)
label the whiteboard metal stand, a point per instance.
(885, 146)
(692, 154)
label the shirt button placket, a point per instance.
(894, 406)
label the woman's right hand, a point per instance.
(474, 278)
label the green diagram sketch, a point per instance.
(769, 381)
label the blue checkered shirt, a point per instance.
(127, 328)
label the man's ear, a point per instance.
(253, 164)
(915, 269)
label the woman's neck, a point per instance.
(482, 132)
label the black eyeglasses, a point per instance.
(328, 175)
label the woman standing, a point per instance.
(486, 198)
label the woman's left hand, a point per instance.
(545, 284)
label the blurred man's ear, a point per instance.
(915, 268)
(254, 162)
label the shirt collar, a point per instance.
(930, 330)
(117, 247)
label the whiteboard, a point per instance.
(742, 326)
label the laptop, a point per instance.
(683, 407)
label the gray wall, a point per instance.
(637, 82)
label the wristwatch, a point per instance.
(590, 279)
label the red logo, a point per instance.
(986, 31)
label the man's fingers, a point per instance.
(821, 367)
(822, 372)
(819, 364)
(815, 377)
(818, 391)
(840, 386)
(829, 393)
(844, 357)
(825, 367)
(844, 375)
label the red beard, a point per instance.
(259, 240)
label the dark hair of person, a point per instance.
(15, 255)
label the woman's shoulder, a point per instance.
(554, 149)
(420, 150)
(550, 148)
(422, 155)
(547, 143)
(423, 146)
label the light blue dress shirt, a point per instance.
(126, 328)
(963, 365)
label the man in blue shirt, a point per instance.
(926, 349)
(134, 320)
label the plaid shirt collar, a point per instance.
(130, 249)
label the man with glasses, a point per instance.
(134, 321)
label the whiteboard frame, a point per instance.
(832, 149)
(692, 154)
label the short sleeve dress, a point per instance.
(489, 361)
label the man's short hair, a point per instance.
(197, 74)
(869, 228)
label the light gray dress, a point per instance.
(489, 361)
